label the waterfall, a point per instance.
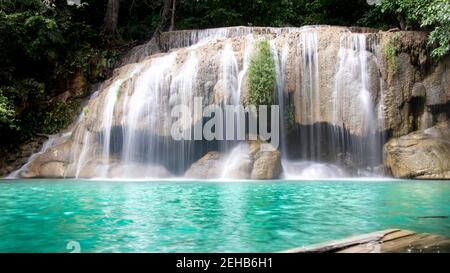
(281, 63)
(143, 110)
(233, 76)
(327, 149)
(47, 144)
(107, 119)
(326, 74)
(237, 163)
(309, 93)
(353, 79)
(83, 154)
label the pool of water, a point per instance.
(191, 216)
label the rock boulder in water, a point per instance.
(266, 164)
(245, 161)
(207, 167)
(50, 164)
(422, 154)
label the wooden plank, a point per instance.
(391, 240)
(374, 247)
(337, 245)
(397, 235)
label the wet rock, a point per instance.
(207, 167)
(52, 170)
(248, 160)
(267, 165)
(266, 161)
(421, 154)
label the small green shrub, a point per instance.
(262, 78)
(391, 50)
(85, 111)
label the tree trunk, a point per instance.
(167, 16)
(401, 22)
(167, 20)
(111, 17)
(172, 18)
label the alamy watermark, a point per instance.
(230, 122)
(73, 246)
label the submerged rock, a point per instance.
(422, 154)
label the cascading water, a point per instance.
(335, 146)
(233, 83)
(47, 144)
(324, 74)
(236, 163)
(107, 119)
(310, 93)
(353, 79)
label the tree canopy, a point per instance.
(431, 15)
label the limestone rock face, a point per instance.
(409, 77)
(319, 74)
(52, 163)
(52, 170)
(422, 154)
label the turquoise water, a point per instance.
(177, 216)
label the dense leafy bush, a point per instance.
(41, 47)
(7, 112)
(261, 75)
(433, 14)
(60, 116)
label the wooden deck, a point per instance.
(385, 241)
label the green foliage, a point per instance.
(41, 47)
(261, 75)
(7, 113)
(277, 13)
(391, 50)
(85, 111)
(438, 15)
(434, 14)
(59, 116)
